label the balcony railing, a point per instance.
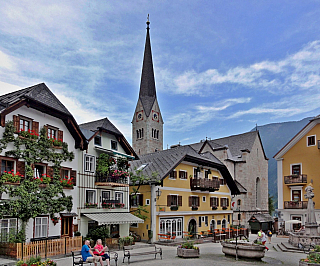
(293, 179)
(106, 180)
(296, 204)
(204, 184)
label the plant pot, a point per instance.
(194, 208)
(174, 208)
(305, 263)
(188, 253)
(214, 208)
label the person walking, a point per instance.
(264, 239)
(269, 234)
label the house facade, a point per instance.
(32, 109)
(191, 193)
(104, 197)
(244, 156)
(297, 167)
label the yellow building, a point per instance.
(192, 193)
(297, 166)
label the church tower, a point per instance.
(147, 123)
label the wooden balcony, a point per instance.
(296, 204)
(295, 179)
(204, 184)
(113, 181)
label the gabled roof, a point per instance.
(147, 92)
(103, 123)
(163, 162)
(261, 218)
(42, 99)
(40, 93)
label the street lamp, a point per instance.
(158, 193)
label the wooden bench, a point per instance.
(129, 251)
(77, 259)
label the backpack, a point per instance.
(269, 233)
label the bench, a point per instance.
(141, 250)
(77, 259)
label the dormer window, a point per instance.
(97, 140)
(114, 145)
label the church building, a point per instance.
(147, 123)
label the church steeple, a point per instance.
(147, 92)
(147, 122)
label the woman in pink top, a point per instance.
(99, 250)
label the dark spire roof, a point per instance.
(147, 92)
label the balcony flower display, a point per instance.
(29, 134)
(55, 220)
(214, 207)
(44, 179)
(11, 177)
(56, 142)
(67, 182)
(119, 173)
(224, 207)
(119, 205)
(91, 205)
(107, 205)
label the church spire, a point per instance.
(147, 92)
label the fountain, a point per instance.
(310, 234)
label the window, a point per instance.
(173, 175)
(8, 227)
(97, 140)
(195, 172)
(41, 227)
(114, 145)
(39, 170)
(296, 169)
(105, 196)
(136, 200)
(258, 193)
(183, 174)
(239, 202)
(119, 197)
(89, 163)
(90, 196)
(222, 182)
(206, 174)
(204, 198)
(214, 201)
(296, 195)
(174, 200)
(65, 173)
(147, 201)
(194, 201)
(224, 202)
(52, 133)
(311, 140)
(24, 125)
(7, 165)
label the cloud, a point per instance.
(6, 62)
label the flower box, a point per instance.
(194, 208)
(91, 205)
(224, 207)
(188, 253)
(174, 208)
(214, 207)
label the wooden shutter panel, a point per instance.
(211, 202)
(206, 220)
(227, 202)
(73, 175)
(179, 200)
(21, 168)
(35, 127)
(140, 199)
(16, 123)
(217, 200)
(50, 171)
(175, 174)
(60, 135)
(199, 221)
(46, 128)
(198, 201)
(168, 200)
(190, 201)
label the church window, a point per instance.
(258, 193)
(137, 134)
(157, 134)
(142, 133)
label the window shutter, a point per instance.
(175, 174)
(140, 199)
(16, 123)
(190, 201)
(35, 127)
(168, 200)
(221, 202)
(206, 220)
(198, 201)
(46, 128)
(227, 202)
(130, 200)
(50, 171)
(179, 200)
(73, 175)
(21, 168)
(217, 201)
(211, 202)
(199, 221)
(180, 174)
(60, 135)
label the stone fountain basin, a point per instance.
(244, 250)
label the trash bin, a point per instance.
(150, 234)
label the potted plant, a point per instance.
(11, 177)
(91, 205)
(119, 205)
(224, 207)
(313, 258)
(55, 220)
(188, 250)
(214, 207)
(125, 241)
(194, 208)
(107, 205)
(43, 180)
(29, 134)
(67, 182)
(174, 208)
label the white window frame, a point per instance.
(12, 226)
(94, 196)
(204, 199)
(315, 140)
(105, 191)
(43, 226)
(116, 143)
(116, 196)
(295, 164)
(186, 175)
(296, 188)
(90, 167)
(94, 141)
(51, 129)
(11, 160)
(172, 178)
(36, 173)
(147, 201)
(134, 225)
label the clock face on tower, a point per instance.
(155, 116)
(139, 115)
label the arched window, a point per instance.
(212, 225)
(152, 133)
(224, 223)
(137, 134)
(141, 133)
(258, 193)
(239, 203)
(157, 134)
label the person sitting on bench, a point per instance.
(87, 254)
(99, 250)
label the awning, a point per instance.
(68, 214)
(114, 218)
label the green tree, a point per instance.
(271, 204)
(30, 199)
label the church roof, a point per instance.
(147, 92)
(40, 93)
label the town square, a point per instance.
(145, 132)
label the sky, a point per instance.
(221, 67)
